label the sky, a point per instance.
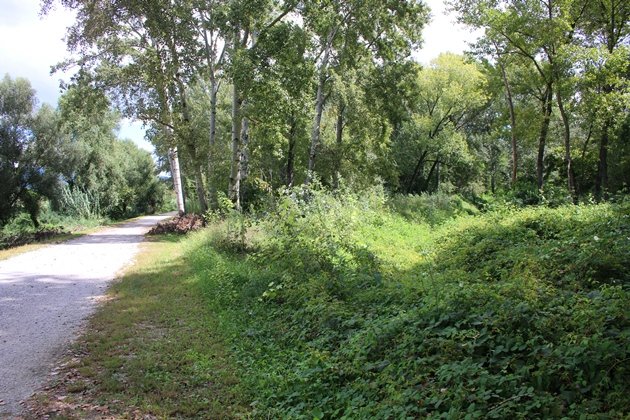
(30, 44)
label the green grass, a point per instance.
(152, 349)
(344, 307)
(340, 308)
(73, 228)
(62, 237)
(59, 228)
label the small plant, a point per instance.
(431, 208)
(79, 203)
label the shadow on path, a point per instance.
(45, 296)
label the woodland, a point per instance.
(385, 239)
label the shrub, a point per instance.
(79, 203)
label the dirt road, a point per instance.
(46, 295)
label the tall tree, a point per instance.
(134, 50)
(450, 93)
(537, 31)
(607, 25)
(348, 32)
(247, 23)
(27, 142)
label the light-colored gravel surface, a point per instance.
(46, 295)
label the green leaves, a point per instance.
(512, 313)
(27, 141)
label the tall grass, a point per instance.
(79, 203)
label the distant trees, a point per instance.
(267, 69)
(550, 54)
(27, 147)
(450, 92)
(55, 154)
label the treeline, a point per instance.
(68, 160)
(243, 97)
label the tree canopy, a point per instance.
(245, 97)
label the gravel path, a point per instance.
(46, 295)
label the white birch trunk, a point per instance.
(235, 187)
(177, 179)
(211, 58)
(243, 168)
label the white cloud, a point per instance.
(30, 45)
(443, 34)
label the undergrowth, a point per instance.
(336, 306)
(20, 230)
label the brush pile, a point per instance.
(179, 224)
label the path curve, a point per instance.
(46, 295)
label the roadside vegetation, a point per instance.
(368, 306)
(339, 305)
(152, 349)
(64, 170)
(385, 238)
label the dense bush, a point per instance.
(70, 157)
(340, 308)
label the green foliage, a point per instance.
(449, 92)
(75, 202)
(21, 230)
(26, 150)
(339, 307)
(431, 208)
(70, 158)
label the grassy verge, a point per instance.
(339, 308)
(64, 229)
(73, 231)
(151, 349)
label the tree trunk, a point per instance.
(234, 187)
(601, 180)
(290, 173)
(437, 175)
(211, 59)
(567, 148)
(544, 129)
(416, 171)
(187, 121)
(319, 107)
(201, 192)
(177, 180)
(243, 167)
(428, 180)
(339, 142)
(508, 97)
(212, 188)
(173, 158)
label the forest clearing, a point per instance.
(362, 231)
